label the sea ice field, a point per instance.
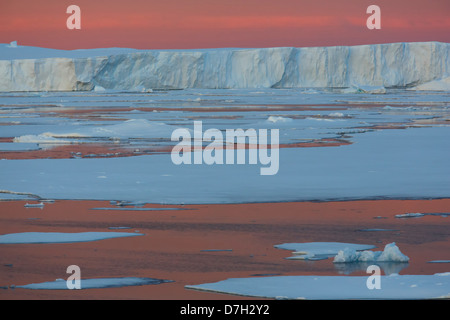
(334, 146)
(353, 143)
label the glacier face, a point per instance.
(386, 65)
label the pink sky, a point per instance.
(181, 24)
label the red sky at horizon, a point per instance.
(188, 24)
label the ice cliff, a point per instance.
(381, 65)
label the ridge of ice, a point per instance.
(368, 68)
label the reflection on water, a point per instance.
(387, 267)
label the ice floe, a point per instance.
(394, 287)
(139, 209)
(60, 284)
(419, 214)
(133, 128)
(320, 250)
(410, 215)
(34, 205)
(61, 237)
(376, 164)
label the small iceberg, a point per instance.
(391, 253)
(320, 250)
(98, 88)
(275, 119)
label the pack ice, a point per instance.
(424, 65)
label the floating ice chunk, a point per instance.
(336, 115)
(60, 237)
(60, 284)
(134, 128)
(375, 229)
(99, 89)
(142, 89)
(442, 84)
(373, 89)
(13, 44)
(139, 209)
(391, 253)
(410, 215)
(275, 119)
(320, 250)
(34, 205)
(40, 139)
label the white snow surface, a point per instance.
(376, 66)
(61, 237)
(393, 287)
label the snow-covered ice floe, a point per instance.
(133, 128)
(34, 205)
(419, 214)
(320, 250)
(347, 253)
(410, 215)
(61, 237)
(98, 283)
(393, 287)
(139, 209)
